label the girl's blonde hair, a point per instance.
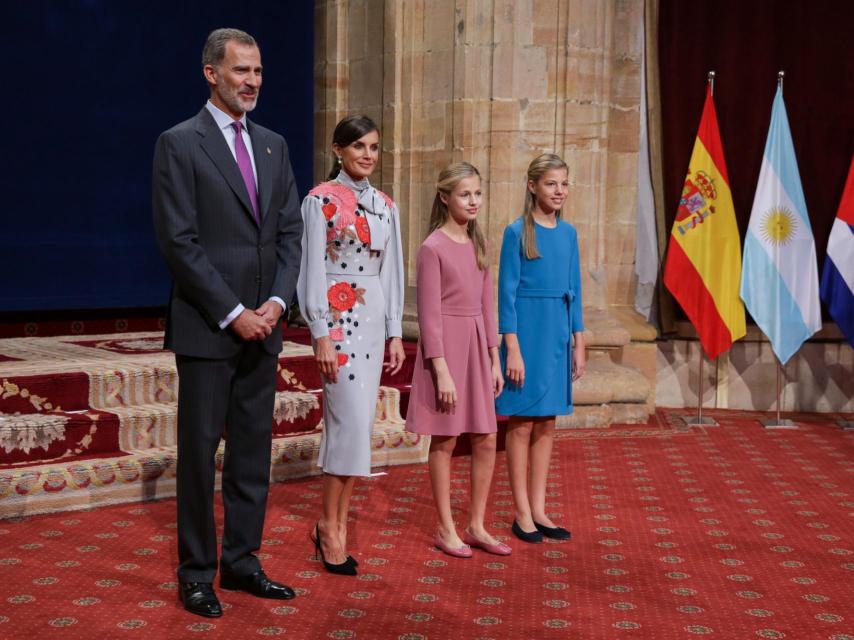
(536, 170)
(449, 178)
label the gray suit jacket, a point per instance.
(217, 253)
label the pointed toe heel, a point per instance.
(345, 568)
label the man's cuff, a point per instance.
(231, 316)
(280, 302)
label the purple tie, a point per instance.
(245, 166)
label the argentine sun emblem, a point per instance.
(778, 226)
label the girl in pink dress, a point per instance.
(457, 370)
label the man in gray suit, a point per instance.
(227, 220)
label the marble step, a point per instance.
(605, 382)
(144, 426)
(33, 438)
(137, 476)
(604, 415)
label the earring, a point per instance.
(338, 159)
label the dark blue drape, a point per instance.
(89, 86)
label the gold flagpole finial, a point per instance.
(711, 80)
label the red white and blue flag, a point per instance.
(837, 279)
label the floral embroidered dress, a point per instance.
(350, 288)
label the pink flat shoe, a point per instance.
(499, 549)
(460, 552)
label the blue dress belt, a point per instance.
(567, 294)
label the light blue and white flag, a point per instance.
(779, 275)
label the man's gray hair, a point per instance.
(214, 50)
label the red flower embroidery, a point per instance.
(345, 219)
(329, 210)
(363, 230)
(336, 334)
(342, 359)
(341, 296)
(336, 194)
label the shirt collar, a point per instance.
(222, 119)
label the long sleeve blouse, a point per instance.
(351, 230)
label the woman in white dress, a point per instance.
(350, 292)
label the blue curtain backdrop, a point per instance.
(89, 86)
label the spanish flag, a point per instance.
(703, 265)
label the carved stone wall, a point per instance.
(495, 82)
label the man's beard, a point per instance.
(232, 99)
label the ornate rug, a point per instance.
(88, 420)
(727, 532)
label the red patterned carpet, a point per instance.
(730, 532)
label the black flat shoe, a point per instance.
(258, 584)
(556, 533)
(346, 568)
(199, 598)
(533, 537)
(353, 561)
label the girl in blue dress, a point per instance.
(542, 351)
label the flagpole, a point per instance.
(779, 423)
(700, 420)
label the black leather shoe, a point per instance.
(199, 598)
(526, 536)
(556, 533)
(346, 568)
(313, 537)
(258, 584)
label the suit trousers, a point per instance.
(236, 393)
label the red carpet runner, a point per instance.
(733, 532)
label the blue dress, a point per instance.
(540, 301)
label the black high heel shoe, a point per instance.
(350, 559)
(343, 569)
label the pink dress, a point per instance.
(457, 320)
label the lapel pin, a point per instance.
(269, 152)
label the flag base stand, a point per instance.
(700, 421)
(845, 425)
(779, 424)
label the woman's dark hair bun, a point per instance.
(347, 132)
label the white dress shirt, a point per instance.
(224, 122)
